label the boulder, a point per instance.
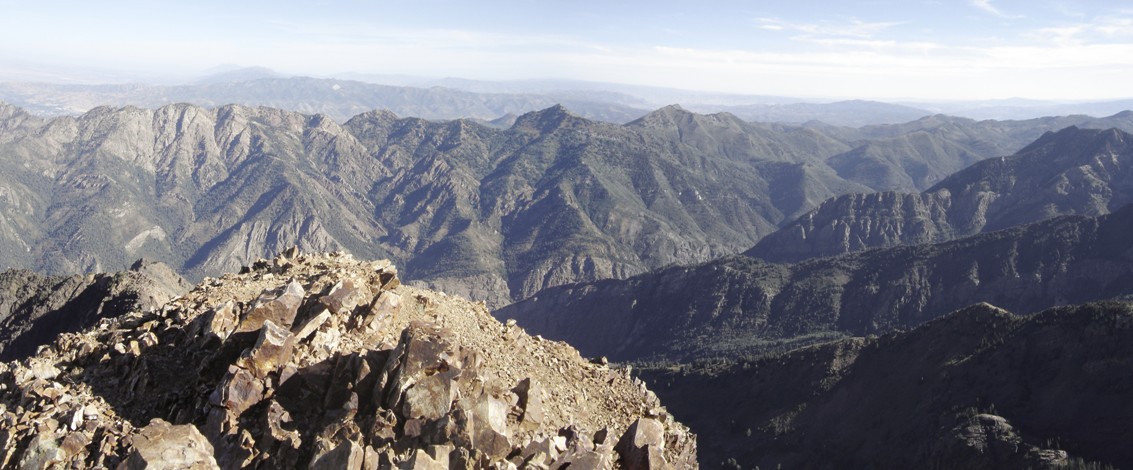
(345, 456)
(272, 350)
(530, 403)
(345, 296)
(280, 309)
(643, 445)
(222, 320)
(161, 445)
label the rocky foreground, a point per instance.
(323, 361)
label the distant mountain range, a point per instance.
(347, 95)
(493, 214)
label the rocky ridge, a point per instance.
(34, 308)
(978, 388)
(740, 305)
(326, 362)
(1072, 171)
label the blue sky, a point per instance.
(942, 49)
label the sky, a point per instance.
(879, 49)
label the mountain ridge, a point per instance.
(740, 305)
(1072, 171)
(980, 387)
(495, 214)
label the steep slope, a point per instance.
(493, 214)
(34, 309)
(739, 305)
(978, 388)
(923, 152)
(323, 361)
(1072, 171)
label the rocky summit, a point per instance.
(322, 361)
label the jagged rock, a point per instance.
(489, 424)
(280, 309)
(43, 452)
(642, 446)
(345, 296)
(42, 369)
(272, 350)
(345, 456)
(530, 402)
(238, 391)
(421, 370)
(423, 460)
(386, 306)
(274, 420)
(222, 320)
(312, 325)
(161, 445)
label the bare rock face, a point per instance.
(321, 361)
(163, 446)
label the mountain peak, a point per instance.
(547, 120)
(667, 116)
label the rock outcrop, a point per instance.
(34, 308)
(321, 361)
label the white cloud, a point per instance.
(987, 7)
(851, 28)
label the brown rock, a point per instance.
(280, 309)
(273, 349)
(431, 397)
(274, 420)
(423, 461)
(643, 445)
(422, 351)
(385, 307)
(42, 452)
(161, 445)
(346, 456)
(238, 391)
(312, 324)
(74, 444)
(530, 395)
(222, 320)
(345, 296)
(490, 433)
